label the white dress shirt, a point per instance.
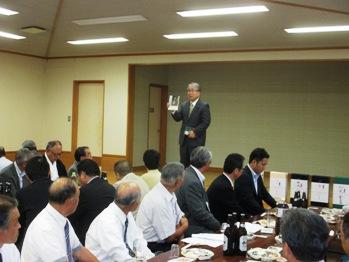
(53, 169)
(4, 162)
(20, 174)
(10, 253)
(158, 214)
(105, 237)
(255, 177)
(199, 174)
(152, 177)
(45, 239)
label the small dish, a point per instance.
(197, 253)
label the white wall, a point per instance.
(22, 98)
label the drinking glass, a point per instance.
(174, 251)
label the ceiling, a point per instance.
(256, 31)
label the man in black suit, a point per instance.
(250, 188)
(221, 193)
(52, 154)
(95, 195)
(33, 198)
(14, 174)
(196, 117)
(192, 197)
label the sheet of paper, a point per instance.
(202, 241)
(173, 102)
(278, 185)
(298, 185)
(320, 192)
(340, 194)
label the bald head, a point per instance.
(61, 190)
(127, 194)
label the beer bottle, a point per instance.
(281, 208)
(242, 237)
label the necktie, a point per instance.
(130, 251)
(67, 242)
(0, 257)
(191, 109)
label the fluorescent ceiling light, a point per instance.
(224, 11)
(11, 36)
(4, 11)
(201, 35)
(110, 20)
(300, 30)
(98, 41)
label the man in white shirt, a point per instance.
(52, 154)
(50, 237)
(9, 227)
(159, 216)
(113, 235)
(305, 236)
(4, 162)
(123, 172)
(151, 159)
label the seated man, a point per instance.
(33, 198)
(221, 193)
(123, 172)
(53, 154)
(9, 226)
(50, 237)
(151, 159)
(345, 237)
(113, 235)
(192, 197)
(14, 174)
(159, 216)
(304, 235)
(95, 195)
(81, 153)
(250, 188)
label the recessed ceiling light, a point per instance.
(4, 11)
(110, 20)
(317, 29)
(224, 11)
(201, 35)
(98, 41)
(11, 36)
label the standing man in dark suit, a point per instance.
(14, 174)
(250, 188)
(33, 198)
(52, 154)
(221, 193)
(192, 197)
(95, 195)
(196, 117)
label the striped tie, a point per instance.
(130, 251)
(190, 109)
(67, 242)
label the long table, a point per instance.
(218, 251)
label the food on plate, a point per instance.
(197, 253)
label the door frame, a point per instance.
(75, 115)
(163, 120)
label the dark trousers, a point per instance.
(185, 152)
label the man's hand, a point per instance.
(191, 134)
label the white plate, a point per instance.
(182, 259)
(262, 254)
(275, 249)
(278, 239)
(197, 253)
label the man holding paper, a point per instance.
(196, 117)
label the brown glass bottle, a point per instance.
(281, 208)
(229, 236)
(242, 237)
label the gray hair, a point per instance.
(195, 86)
(126, 194)
(200, 157)
(171, 172)
(30, 144)
(306, 234)
(122, 167)
(52, 144)
(22, 156)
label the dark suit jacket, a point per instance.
(9, 174)
(198, 121)
(192, 199)
(94, 197)
(31, 200)
(222, 198)
(61, 168)
(249, 200)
